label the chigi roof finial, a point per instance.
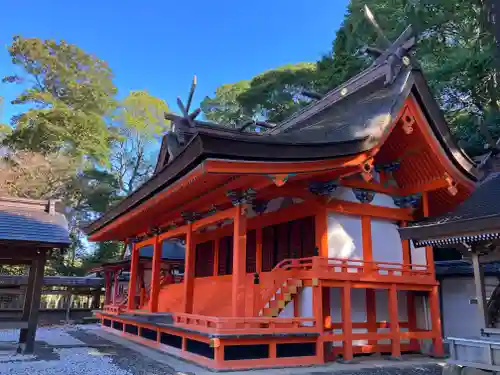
(182, 126)
(395, 54)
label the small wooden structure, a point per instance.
(29, 230)
(474, 228)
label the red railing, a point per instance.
(248, 325)
(113, 309)
(356, 266)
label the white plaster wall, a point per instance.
(386, 242)
(344, 236)
(460, 318)
(305, 305)
(383, 200)
(418, 255)
(344, 193)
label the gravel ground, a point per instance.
(73, 351)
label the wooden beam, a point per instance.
(373, 186)
(321, 231)
(258, 249)
(176, 232)
(371, 313)
(239, 262)
(394, 322)
(132, 283)
(360, 209)
(346, 321)
(366, 236)
(155, 276)
(218, 216)
(436, 322)
(189, 270)
(27, 335)
(425, 187)
(216, 256)
(257, 167)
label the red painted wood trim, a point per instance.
(239, 262)
(189, 266)
(155, 276)
(132, 284)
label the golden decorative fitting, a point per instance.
(408, 122)
(452, 185)
(315, 282)
(214, 343)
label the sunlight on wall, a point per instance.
(344, 237)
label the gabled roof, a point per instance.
(348, 120)
(475, 219)
(32, 221)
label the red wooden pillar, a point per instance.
(321, 231)
(366, 235)
(412, 318)
(318, 312)
(436, 322)
(258, 250)
(132, 284)
(405, 245)
(115, 287)
(347, 321)
(107, 287)
(239, 261)
(394, 322)
(371, 314)
(189, 270)
(429, 255)
(216, 257)
(155, 276)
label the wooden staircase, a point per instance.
(281, 297)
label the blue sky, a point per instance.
(158, 45)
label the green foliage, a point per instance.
(76, 142)
(69, 92)
(276, 94)
(224, 108)
(138, 123)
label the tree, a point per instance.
(139, 123)
(272, 96)
(69, 92)
(224, 107)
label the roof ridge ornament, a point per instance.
(182, 126)
(395, 54)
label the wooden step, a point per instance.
(270, 312)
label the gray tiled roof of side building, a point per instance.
(23, 224)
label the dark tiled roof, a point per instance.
(171, 250)
(479, 213)
(29, 221)
(464, 268)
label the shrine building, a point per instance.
(292, 254)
